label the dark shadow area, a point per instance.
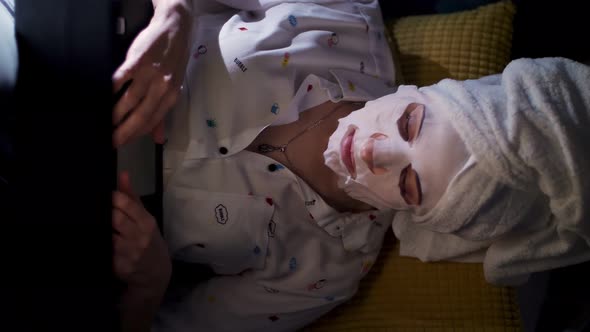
(422, 69)
(567, 301)
(544, 28)
(56, 248)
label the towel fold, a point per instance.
(521, 201)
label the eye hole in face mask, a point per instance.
(409, 186)
(410, 122)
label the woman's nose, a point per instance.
(382, 153)
(368, 153)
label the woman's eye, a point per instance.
(409, 186)
(403, 126)
(410, 122)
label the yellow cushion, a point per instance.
(404, 294)
(462, 45)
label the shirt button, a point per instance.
(272, 167)
(223, 150)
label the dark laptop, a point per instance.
(56, 247)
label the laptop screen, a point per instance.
(65, 166)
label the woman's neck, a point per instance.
(304, 155)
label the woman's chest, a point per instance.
(273, 142)
(299, 147)
(231, 217)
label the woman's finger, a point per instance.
(122, 268)
(134, 125)
(123, 225)
(121, 247)
(127, 70)
(140, 121)
(133, 209)
(123, 265)
(159, 133)
(135, 93)
(122, 75)
(126, 249)
(124, 185)
(167, 102)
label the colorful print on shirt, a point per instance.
(275, 109)
(240, 65)
(271, 290)
(201, 50)
(221, 214)
(317, 285)
(366, 266)
(211, 123)
(351, 86)
(293, 264)
(286, 58)
(333, 40)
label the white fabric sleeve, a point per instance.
(239, 303)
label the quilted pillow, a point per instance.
(461, 45)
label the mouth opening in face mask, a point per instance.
(347, 151)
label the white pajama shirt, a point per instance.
(283, 257)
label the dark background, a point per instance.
(60, 169)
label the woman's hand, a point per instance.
(155, 66)
(140, 259)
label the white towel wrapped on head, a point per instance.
(521, 205)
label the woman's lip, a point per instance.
(347, 152)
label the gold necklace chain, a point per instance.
(267, 148)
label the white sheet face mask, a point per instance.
(395, 137)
